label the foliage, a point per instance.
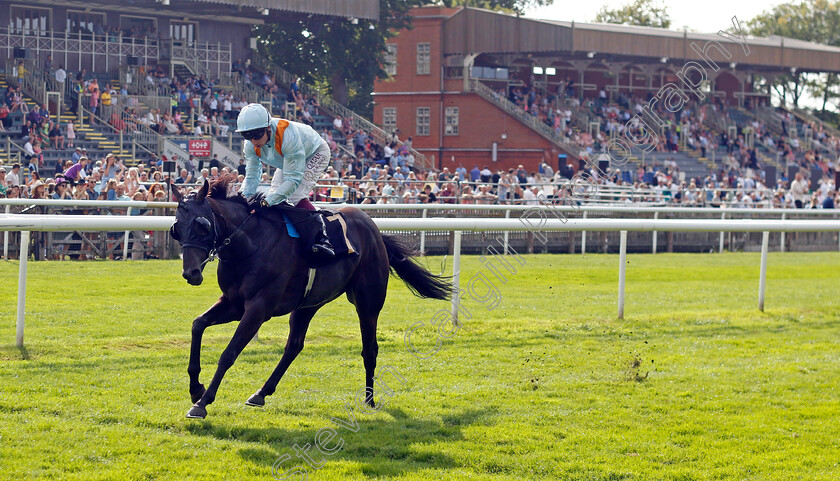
(548, 385)
(809, 20)
(515, 6)
(347, 56)
(648, 13)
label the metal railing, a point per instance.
(26, 224)
(97, 49)
(517, 112)
(134, 80)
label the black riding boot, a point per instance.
(313, 232)
(322, 250)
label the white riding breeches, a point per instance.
(315, 166)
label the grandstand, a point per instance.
(478, 87)
(156, 56)
(468, 88)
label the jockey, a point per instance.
(300, 156)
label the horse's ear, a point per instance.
(202, 193)
(176, 192)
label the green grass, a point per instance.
(695, 383)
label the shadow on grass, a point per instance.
(383, 447)
(15, 353)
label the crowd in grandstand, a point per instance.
(349, 180)
(365, 171)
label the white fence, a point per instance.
(537, 222)
(425, 209)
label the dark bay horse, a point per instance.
(262, 273)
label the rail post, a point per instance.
(456, 274)
(21, 304)
(622, 270)
(127, 234)
(762, 280)
(507, 216)
(583, 238)
(655, 216)
(6, 237)
(423, 236)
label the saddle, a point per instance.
(336, 231)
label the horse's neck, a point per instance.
(231, 213)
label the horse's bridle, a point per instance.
(214, 250)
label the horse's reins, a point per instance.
(214, 252)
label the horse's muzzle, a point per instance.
(193, 276)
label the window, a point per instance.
(138, 27)
(451, 127)
(30, 20)
(423, 58)
(389, 118)
(185, 31)
(423, 116)
(391, 59)
(83, 22)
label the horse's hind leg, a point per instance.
(219, 313)
(298, 325)
(369, 301)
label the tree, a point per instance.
(641, 12)
(344, 54)
(813, 21)
(348, 57)
(514, 6)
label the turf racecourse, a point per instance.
(695, 383)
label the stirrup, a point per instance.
(323, 251)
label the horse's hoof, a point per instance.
(255, 400)
(197, 412)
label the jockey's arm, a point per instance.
(253, 170)
(294, 164)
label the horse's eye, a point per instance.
(174, 233)
(202, 225)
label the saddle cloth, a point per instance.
(336, 231)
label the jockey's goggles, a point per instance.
(253, 134)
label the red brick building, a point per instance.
(445, 69)
(445, 122)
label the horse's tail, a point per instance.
(421, 282)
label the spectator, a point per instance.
(71, 133)
(56, 139)
(61, 76)
(13, 176)
(799, 189)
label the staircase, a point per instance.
(332, 107)
(524, 117)
(98, 139)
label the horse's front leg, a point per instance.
(250, 323)
(298, 325)
(221, 312)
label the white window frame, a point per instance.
(143, 17)
(390, 59)
(26, 29)
(451, 126)
(424, 58)
(180, 23)
(70, 12)
(389, 118)
(423, 121)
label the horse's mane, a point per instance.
(220, 189)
